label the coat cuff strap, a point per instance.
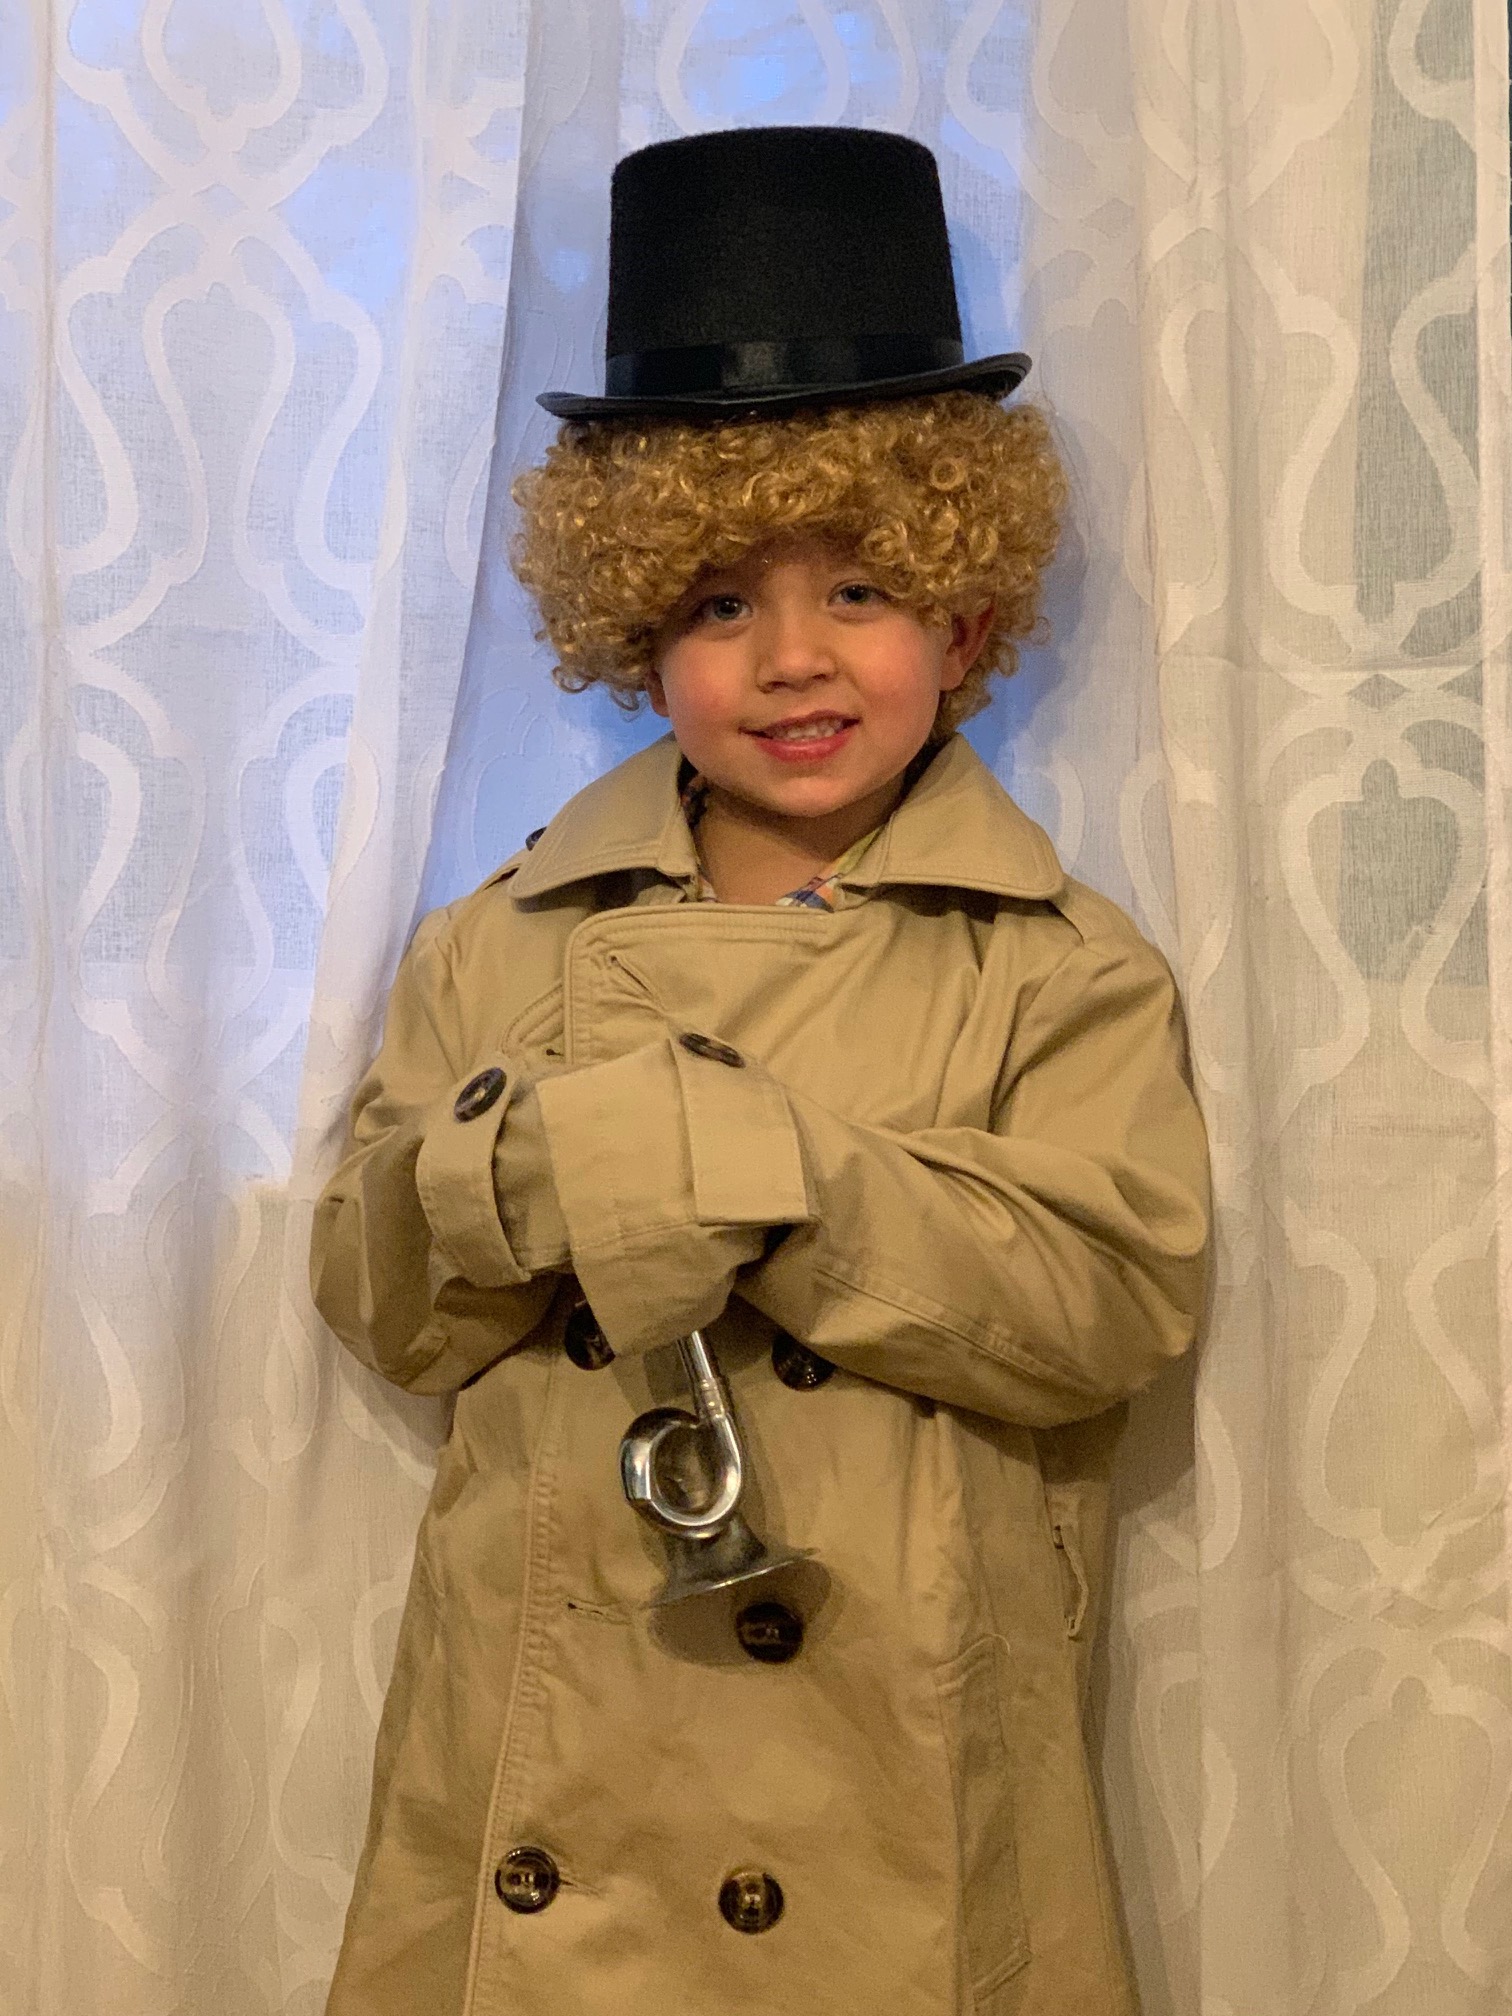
(454, 1176)
(669, 1168)
(747, 1166)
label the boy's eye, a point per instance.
(720, 609)
(856, 594)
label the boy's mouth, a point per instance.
(805, 728)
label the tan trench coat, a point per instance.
(964, 1096)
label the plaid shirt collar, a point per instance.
(820, 892)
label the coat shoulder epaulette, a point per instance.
(515, 862)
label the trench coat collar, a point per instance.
(957, 829)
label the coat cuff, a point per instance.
(465, 1133)
(671, 1166)
(743, 1148)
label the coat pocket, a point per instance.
(992, 1910)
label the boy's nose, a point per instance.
(795, 651)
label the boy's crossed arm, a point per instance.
(1037, 1273)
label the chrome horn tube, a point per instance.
(712, 1546)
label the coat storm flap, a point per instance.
(959, 1158)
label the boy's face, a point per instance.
(794, 685)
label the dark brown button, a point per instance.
(531, 838)
(770, 1632)
(527, 1879)
(797, 1366)
(479, 1093)
(712, 1048)
(585, 1344)
(751, 1900)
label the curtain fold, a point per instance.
(278, 287)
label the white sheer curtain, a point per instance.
(254, 267)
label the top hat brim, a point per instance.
(995, 376)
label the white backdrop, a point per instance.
(268, 689)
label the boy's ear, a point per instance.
(968, 634)
(656, 693)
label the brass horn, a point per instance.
(712, 1546)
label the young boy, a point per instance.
(791, 1028)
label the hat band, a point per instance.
(824, 364)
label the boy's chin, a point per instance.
(802, 797)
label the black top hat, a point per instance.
(775, 267)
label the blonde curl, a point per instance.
(951, 502)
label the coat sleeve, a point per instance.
(410, 1263)
(1037, 1271)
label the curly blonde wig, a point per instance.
(949, 501)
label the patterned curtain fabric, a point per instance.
(254, 266)
(268, 689)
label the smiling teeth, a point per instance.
(806, 731)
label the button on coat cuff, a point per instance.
(454, 1176)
